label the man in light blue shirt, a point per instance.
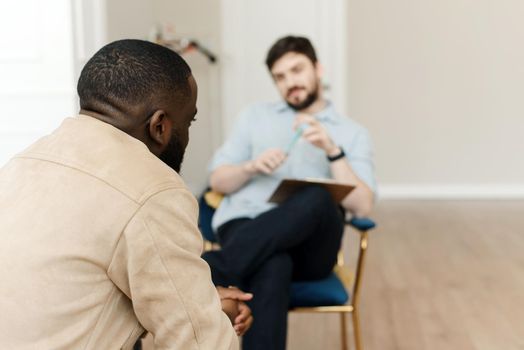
(265, 246)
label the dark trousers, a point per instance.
(298, 240)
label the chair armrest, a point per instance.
(361, 224)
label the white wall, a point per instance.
(128, 19)
(440, 85)
(37, 89)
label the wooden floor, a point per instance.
(439, 275)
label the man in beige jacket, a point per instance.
(99, 234)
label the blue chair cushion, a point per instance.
(324, 292)
(362, 224)
(205, 216)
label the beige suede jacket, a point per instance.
(99, 242)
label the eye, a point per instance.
(297, 69)
(194, 117)
(278, 77)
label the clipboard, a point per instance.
(287, 187)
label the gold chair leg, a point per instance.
(343, 331)
(356, 330)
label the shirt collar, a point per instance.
(327, 114)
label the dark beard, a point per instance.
(308, 101)
(173, 155)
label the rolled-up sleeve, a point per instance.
(360, 155)
(157, 264)
(238, 147)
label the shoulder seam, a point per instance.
(147, 193)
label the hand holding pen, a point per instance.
(314, 133)
(305, 126)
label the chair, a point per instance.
(328, 295)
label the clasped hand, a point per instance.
(234, 306)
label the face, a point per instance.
(297, 79)
(173, 155)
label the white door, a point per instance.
(37, 88)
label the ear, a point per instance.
(319, 69)
(160, 130)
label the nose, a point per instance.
(290, 82)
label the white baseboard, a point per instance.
(456, 191)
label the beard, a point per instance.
(311, 97)
(173, 155)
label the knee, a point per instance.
(280, 266)
(315, 198)
(278, 270)
(317, 193)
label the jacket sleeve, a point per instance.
(157, 264)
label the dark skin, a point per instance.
(170, 120)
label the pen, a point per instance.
(294, 140)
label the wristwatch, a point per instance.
(337, 156)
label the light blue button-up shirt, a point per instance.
(264, 126)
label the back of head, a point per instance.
(287, 44)
(126, 77)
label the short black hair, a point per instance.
(129, 73)
(287, 44)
